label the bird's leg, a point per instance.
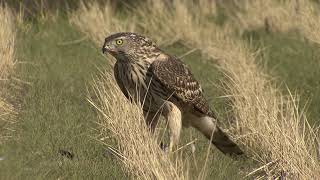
(193, 140)
(152, 121)
(173, 116)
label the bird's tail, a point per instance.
(219, 138)
(224, 143)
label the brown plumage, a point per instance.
(165, 86)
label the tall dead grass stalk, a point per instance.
(7, 62)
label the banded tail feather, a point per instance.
(220, 139)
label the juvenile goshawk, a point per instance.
(163, 85)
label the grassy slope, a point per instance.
(55, 112)
(295, 63)
(57, 116)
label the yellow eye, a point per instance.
(119, 41)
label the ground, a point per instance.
(56, 115)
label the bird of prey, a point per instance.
(164, 86)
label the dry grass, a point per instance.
(273, 15)
(278, 16)
(269, 124)
(136, 147)
(148, 18)
(7, 62)
(309, 21)
(97, 22)
(7, 35)
(168, 23)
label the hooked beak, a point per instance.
(104, 50)
(107, 49)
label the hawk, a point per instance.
(164, 86)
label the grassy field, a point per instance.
(56, 115)
(59, 63)
(294, 63)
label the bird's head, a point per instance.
(129, 47)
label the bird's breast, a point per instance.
(133, 78)
(141, 86)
